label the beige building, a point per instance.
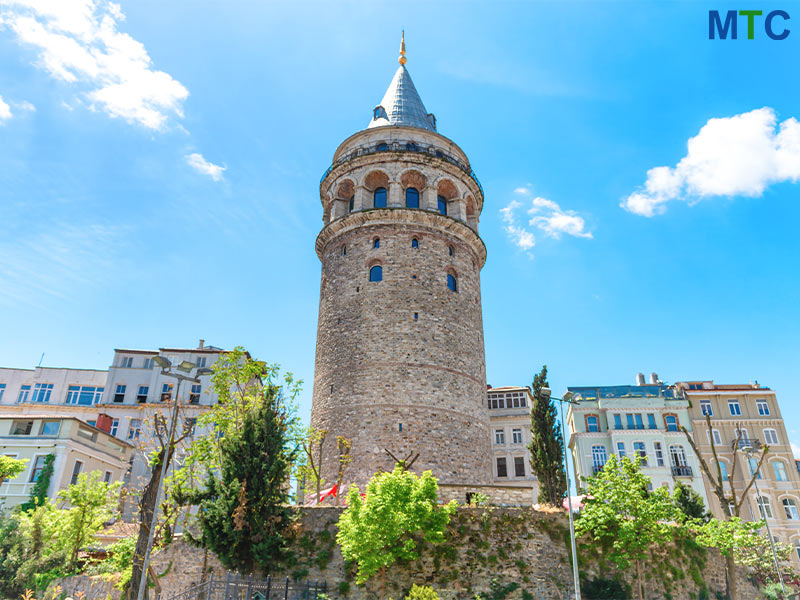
(510, 436)
(77, 448)
(754, 411)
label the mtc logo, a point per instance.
(716, 25)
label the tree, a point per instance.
(310, 467)
(343, 446)
(624, 516)
(39, 490)
(244, 510)
(690, 502)
(547, 445)
(730, 504)
(400, 509)
(10, 467)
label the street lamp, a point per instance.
(546, 392)
(185, 367)
(748, 448)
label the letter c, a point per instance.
(768, 25)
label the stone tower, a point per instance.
(400, 358)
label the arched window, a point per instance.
(592, 423)
(764, 507)
(671, 422)
(381, 147)
(412, 198)
(441, 203)
(797, 548)
(411, 147)
(379, 197)
(723, 469)
(414, 243)
(376, 243)
(450, 249)
(452, 283)
(344, 250)
(780, 470)
(790, 507)
(352, 202)
(376, 273)
(599, 458)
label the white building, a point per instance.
(630, 420)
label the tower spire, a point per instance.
(402, 59)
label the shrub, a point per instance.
(601, 588)
(422, 592)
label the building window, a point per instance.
(441, 205)
(166, 392)
(516, 436)
(200, 362)
(705, 408)
(629, 419)
(639, 423)
(519, 466)
(715, 435)
(376, 113)
(659, 454)
(379, 197)
(119, 394)
(621, 449)
(376, 273)
(38, 467)
(723, 469)
(114, 427)
(84, 395)
(194, 396)
(41, 392)
(351, 203)
(677, 457)
(617, 421)
(135, 429)
(148, 363)
(452, 283)
(640, 450)
(50, 428)
(733, 406)
(742, 435)
(592, 423)
(21, 427)
(671, 422)
(599, 458)
(412, 198)
(780, 470)
(771, 436)
(107, 477)
(753, 464)
(790, 508)
(414, 243)
(764, 507)
(76, 470)
(141, 395)
(189, 424)
(24, 393)
(763, 408)
(451, 250)
(126, 362)
(502, 471)
(93, 422)
(2, 390)
(651, 421)
(499, 437)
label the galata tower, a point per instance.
(400, 368)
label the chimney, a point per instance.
(488, 387)
(201, 344)
(654, 378)
(640, 379)
(104, 423)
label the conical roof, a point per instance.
(401, 105)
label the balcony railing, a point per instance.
(746, 443)
(681, 471)
(404, 146)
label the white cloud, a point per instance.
(731, 156)
(5, 110)
(545, 215)
(25, 105)
(795, 450)
(200, 164)
(79, 43)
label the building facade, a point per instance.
(400, 355)
(76, 446)
(752, 410)
(630, 420)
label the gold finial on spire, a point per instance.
(402, 59)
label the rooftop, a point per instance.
(590, 393)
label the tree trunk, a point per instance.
(639, 579)
(730, 571)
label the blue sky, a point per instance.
(160, 167)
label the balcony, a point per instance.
(748, 443)
(681, 471)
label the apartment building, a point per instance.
(76, 446)
(629, 420)
(752, 410)
(510, 436)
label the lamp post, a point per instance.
(546, 392)
(185, 367)
(749, 450)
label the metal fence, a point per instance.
(235, 587)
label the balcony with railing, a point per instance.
(681, 471)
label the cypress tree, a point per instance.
(547, 445)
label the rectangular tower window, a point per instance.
(502, 471)
(516, 436)
(519, 466)
(499, 437)
(76, 470)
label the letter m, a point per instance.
(715, 25)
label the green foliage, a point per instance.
(11, 467)
(547, 445)
(119, 561)
(601, 588)
(343, 588)
(39, 490)
(773, 591)
(690, 502)
(244, 510)
(399, 510)
(422, 592)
